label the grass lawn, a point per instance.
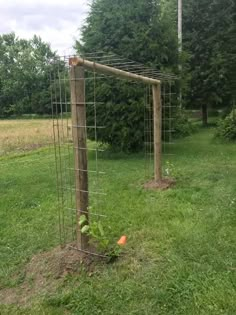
(180, 255)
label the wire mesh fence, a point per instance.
(100, 96)
(106, 98)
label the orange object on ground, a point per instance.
(122, 240)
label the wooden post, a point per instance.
(94, 66)
(157, 122)
(78, 113)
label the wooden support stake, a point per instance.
(78, 113)
(157, 121)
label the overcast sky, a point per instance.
(56, 21)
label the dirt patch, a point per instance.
(164, 184)
(46, 271)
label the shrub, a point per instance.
(182, 126)
(226, 128)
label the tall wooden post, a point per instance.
(157, 122)
(78, 113)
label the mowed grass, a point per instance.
(180, 255)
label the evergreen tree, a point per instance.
(207, 28)
(141, 30)
(137, 29)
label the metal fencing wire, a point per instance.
(65, 148)
(64, 154)
(169, 110)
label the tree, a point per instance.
(24, 75)
(230, 52)
(207, 27)
(141, 30)
(138, 29)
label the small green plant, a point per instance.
(98, 237)
(170, 170)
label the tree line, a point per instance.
(142, 30)
(24, 75)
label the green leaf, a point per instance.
(100, 228)
(85, 229)
(82, 220)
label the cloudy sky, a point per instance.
(56, 21)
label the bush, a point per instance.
(226, 128)
(182, 126)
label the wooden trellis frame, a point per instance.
(78, 111)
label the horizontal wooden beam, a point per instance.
(76, 61)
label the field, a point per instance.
(23, 135)
(180, 254)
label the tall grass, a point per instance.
(24, 134)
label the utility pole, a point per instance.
(180, 42)
(180, 24)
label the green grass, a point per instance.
(180, 256)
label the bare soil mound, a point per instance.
(45, 272)
(165, 183)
